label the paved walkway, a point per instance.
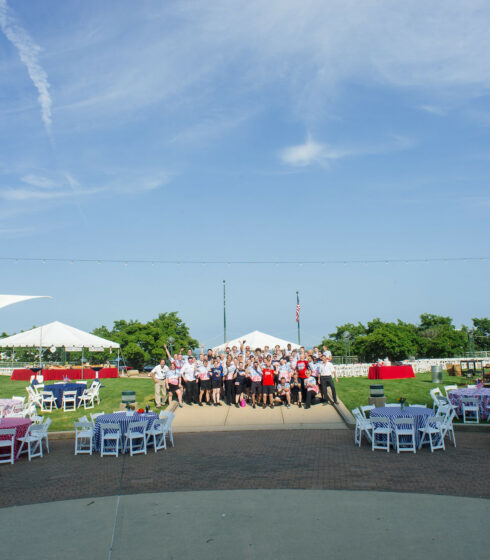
(262, 459)
(250, 524)
(228, 418)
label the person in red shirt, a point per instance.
(268, 388)
(302, 369)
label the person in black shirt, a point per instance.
(216, 377)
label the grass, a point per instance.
(110, 398)
(354, 391)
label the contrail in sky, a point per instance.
(28, 52)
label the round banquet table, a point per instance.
(21, 426)
(7, 406)
(481, 396)
(123, 420)
(60, 388)
(418, 413)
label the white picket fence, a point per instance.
(419, 366)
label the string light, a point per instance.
(345, 262)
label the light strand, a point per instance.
(227, 262)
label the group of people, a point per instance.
(262, 377)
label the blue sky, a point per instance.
(280, 130)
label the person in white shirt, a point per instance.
(327, 371)
(159, 375)
(327, 353)
(190, 381)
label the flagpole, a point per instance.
(224, 310)
(297, 315)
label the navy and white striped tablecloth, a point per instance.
(418, 413)
(123, 420)
(59, 388)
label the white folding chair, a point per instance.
(433, 432)
(44, 436)
(135, 438)
(94, 415)
(157, 434)
(33, 440)
(95, 390)
(84, 437)
(69, 400)
(448, 388)
(110, 433)
(381, 433)
(405, 429)
(366, 408)
(33, 397)
(8, 444)
(362, 425)
(447, 424)
(86, 397)
(47, 399)
(437, 398)
(470, 410)
(21, 399)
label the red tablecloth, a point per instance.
(20, 424)
(390, 372)
(60, 374)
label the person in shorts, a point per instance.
(174, 384)
(296, 394)
(202, 373)
(268, 388)
(240, 380)
(216, 381)
(255, 377)
(284, 391)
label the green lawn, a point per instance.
(354, 391)
(110, 398)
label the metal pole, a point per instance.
(297, 314)
(224, 310)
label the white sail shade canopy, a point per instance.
(10, 300)
(257, 339)
(57, 335)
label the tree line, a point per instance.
(434, 336)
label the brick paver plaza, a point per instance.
(275, 459)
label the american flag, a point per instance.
(298, 307)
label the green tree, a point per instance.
(143, 342)
(482, 333)
(397, 341)
(439, 338)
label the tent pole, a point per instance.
(82, 362)
(40, 348)
(118, 351)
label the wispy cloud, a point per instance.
(65, 186)
(29, 53)
(434, 109)
(312, 152)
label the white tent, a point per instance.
(58, 335)
(257, 339)
(9, 300)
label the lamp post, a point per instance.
(171, 341)
(224, 310)
(347, 336)
(471, 341)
